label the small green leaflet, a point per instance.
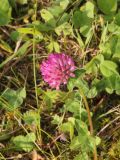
(25, 143)
(5, 12)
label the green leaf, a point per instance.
(43, 27)
(22, 1)
(56, 47)
(81, 156)
(15, 35)
(55, 11)
(83, 18)
(72, 106)
(113, 84)
(97, 87)
(92, 92)
(46, 15)
(64, 4)
(108, 68)
(89, 7)
(57, 119)
(74, 82)
(110, 84)
(5, 12)
(81, 127)
(117, 18)
(65, 29)
(75, 144)
(104, 33)
(107, 6)
(114, 28)
(50, 47)
(49, 97)
(32, 31)
(5, 46)
(13, 98)
(22, 50)
(116, 48)
(92, 66)
(86, 141)
(97, 140)
(79, 83)
(25, 143)
(31, 117)
(68, 127)
(111, 48)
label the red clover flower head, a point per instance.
(57, 69)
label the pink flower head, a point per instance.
(57, 69)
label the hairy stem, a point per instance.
(89, 119)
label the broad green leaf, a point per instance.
(49, 97)
(97, 140)
(77, 18)
(92, 66)
(13, 98)
(53, 95)
(84, 141)
(82, 21)
(46, 15)
(65, 29)
(105, 49)
(64, 4)
(55, 11)
(114, 28)
(89, 7)
(75, 81)
(117, 18)
(5, 12)
(83, 18)
(96, 88)
(56, 119)
(31, 117)
(81, 127)
(15, 35)
(64, 18)
(108, 68)
(116, 48)
(111, 49)
(113, 84)
(87, 142)
(110, 84)
(92, 92)
(68, 127)
(107, 6)
(72, 106)
(75, 144)
(79, 83)
(21, 92)
(25, 143)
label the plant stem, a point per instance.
(89, 119)
(34, 69)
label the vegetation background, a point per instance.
(81, 121)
